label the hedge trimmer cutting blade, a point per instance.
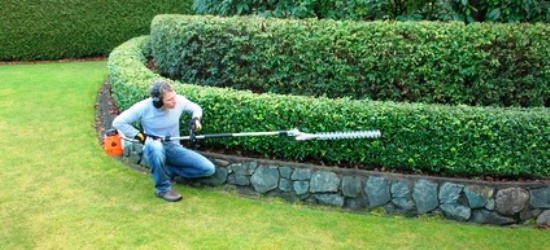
(298, 136)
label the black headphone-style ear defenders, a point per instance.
(155, 94)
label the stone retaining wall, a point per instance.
(481, 202)
(496, 203)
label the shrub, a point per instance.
(44, 30)
(443, 10)
(430, 62)
(509, 11)
(457, 140)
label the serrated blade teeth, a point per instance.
(349, 135)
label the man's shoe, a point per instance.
(170, 195)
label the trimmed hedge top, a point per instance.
(458, 140)
(428, 62)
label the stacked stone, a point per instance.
(476, 202)
(133, 152)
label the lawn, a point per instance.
(59, 190)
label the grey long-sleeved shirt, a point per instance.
(157, 122)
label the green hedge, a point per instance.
(37, 30)
(512, 11)
(429, 62)
(457, 140)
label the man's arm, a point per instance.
(190, 107)
(124, 121)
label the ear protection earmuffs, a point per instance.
(155, 95)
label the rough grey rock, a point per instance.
(230, 178)
(251, 167)
(301, 174)
(401, 189)
(511, 200)
(490, 205)
(236, 167)
(289, 197)
(131, 147)
(330, 199)
(478, 196)
(309, 199)
(436, 212)
(219, 177)
(456, 212)
(135, 158)
(528, 214)
(221, 163)
(483, 216)
(265, 179)
(449, 193)
(285, 172)
(544, 219)
(301, 187)
(540, 197)
(351, 186)
(245, 168)
(401, 192)
(285, 185)
(425, 196)
(378, 191)
(356, 203)
(241, 180)
(247, 191)
(323, 181)
(134, 152)
(404, 203)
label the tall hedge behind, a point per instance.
(416, 137)
(507, 11)
(431, 62)
(53, 29)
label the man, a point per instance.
(160, 117)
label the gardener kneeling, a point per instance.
(159, 117)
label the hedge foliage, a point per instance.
(459, 140)
(513, 11)
(429, 62)
(39, 30)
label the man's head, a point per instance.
(163, 95)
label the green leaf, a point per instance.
(494, 14)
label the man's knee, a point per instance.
(211, 169)
(153, 151)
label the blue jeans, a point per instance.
(168, 160)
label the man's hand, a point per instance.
(195, 125)
(141, 137)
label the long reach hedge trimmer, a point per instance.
(298, 136)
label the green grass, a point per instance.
(59, 190)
